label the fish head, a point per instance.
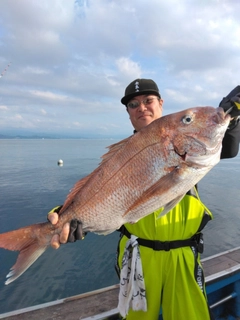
(197, 135)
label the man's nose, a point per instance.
(142, 106)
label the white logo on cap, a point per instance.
(136, 86)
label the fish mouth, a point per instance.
(199, 148)
(223, 116)
(202, 156)
(182, 156)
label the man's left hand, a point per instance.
(232, 102)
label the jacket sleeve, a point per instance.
(230, 144)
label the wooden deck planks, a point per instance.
(219, 263)
(74, 308)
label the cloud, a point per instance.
(48, 95)
(128, 68)
(44, 112)
(3, 108)
(71, 60)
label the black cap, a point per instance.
(139, 87)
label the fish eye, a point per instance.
(187, 119)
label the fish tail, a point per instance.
(29, 242)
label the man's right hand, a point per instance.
(71, 231)
(58, 239)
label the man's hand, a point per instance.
(63, 237)
(232, 102)
(70, 233)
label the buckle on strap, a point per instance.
(158, 245)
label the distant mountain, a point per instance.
(25, 134)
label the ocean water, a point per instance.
(31, 183)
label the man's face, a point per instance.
(143, 110)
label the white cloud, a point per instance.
(177, 96)
(44, 112)
(128, 68)
(71, 60)
(3, 108)
(18, 117)
(47, 95)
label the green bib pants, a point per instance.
(174, 279)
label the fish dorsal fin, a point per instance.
(157, 190)
(113, 149)
(76, 188)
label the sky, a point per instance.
(65, 64)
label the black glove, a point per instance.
(231, 102)
(76, 232)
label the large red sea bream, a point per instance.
(153, 168)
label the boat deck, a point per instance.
(72, 308)
(102, 304)
(218, 264)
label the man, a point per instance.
(173, 274)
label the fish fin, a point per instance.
(78, 186)
(170, 205)
(25, 259)
(113, 149)
(156, 190)
(25, 241)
